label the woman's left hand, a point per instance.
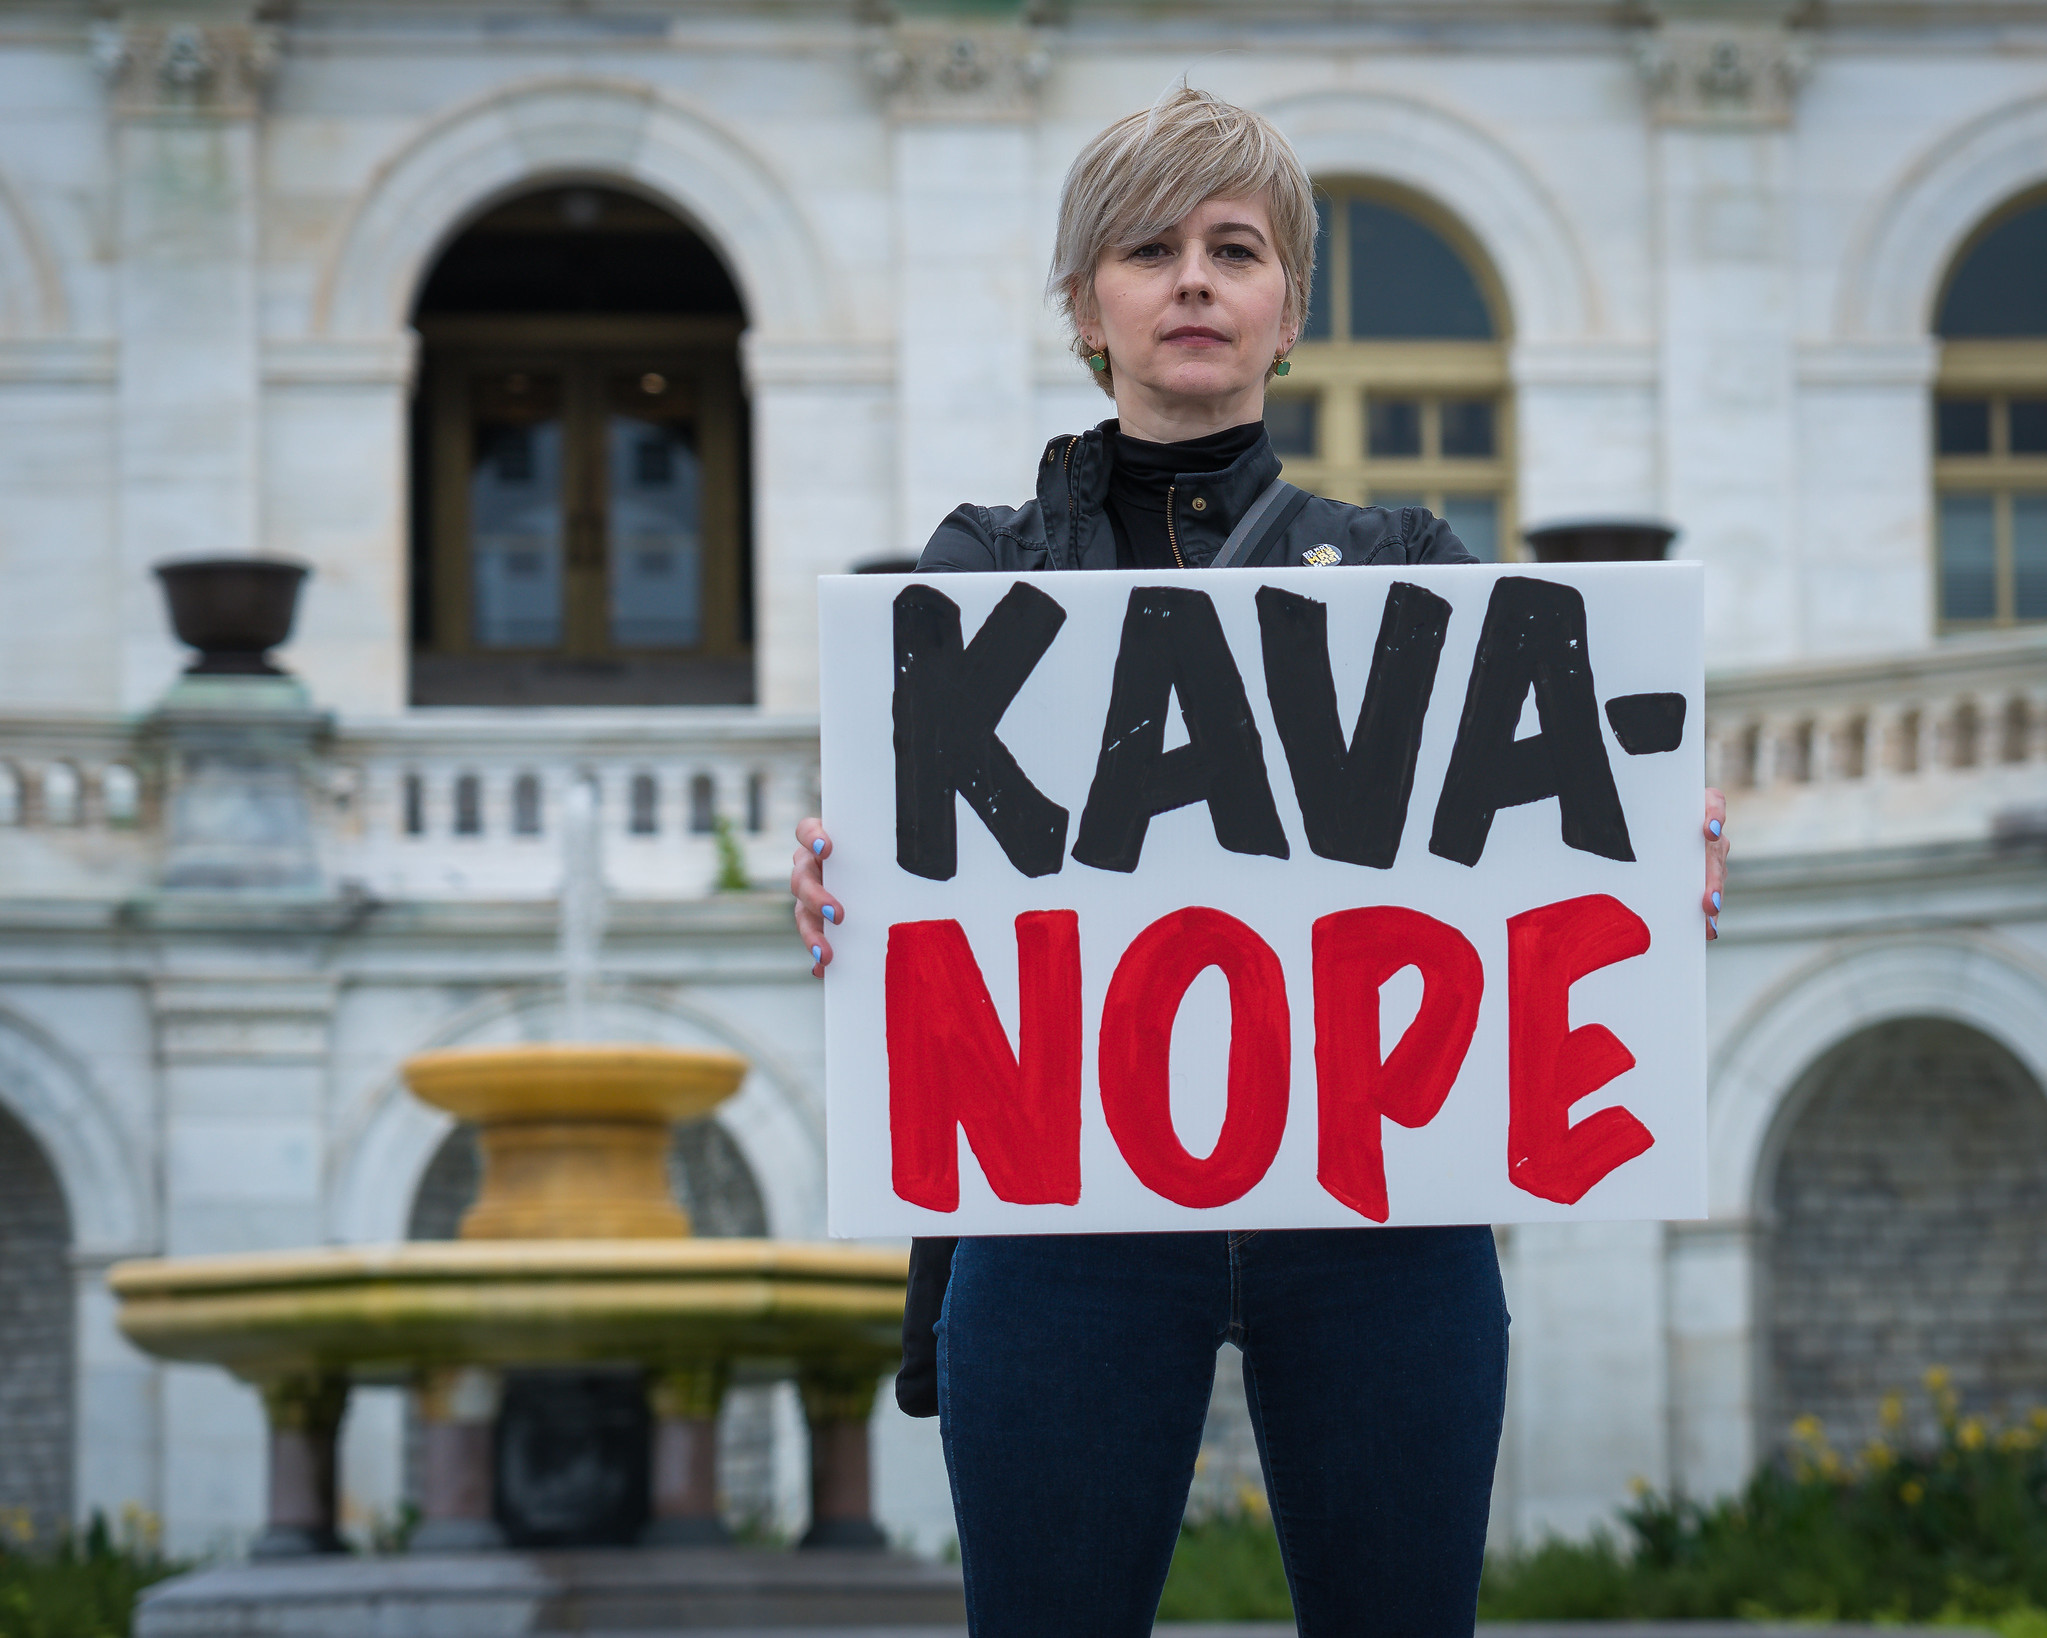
(1716, 860)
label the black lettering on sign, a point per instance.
(1353, 800)
(1173, 645)
(948, 702)
(1647, 723)
(1534, 637)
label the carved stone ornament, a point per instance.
(185, 67)
(1700, 73)
(937, 73)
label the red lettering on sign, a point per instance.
(1356, 951)
(1550, 1066)
(1136, 1048)
(950, 1067)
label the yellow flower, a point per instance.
(1971, 1436)
(1892, 1412)
(1937, 1379)
(1808, 1430)
(2039, 1418)
(19, 1523)
(1251, 1498)
(1876, 1455)
(1830, 1465)
(1911, 1492)
(1638, 1487)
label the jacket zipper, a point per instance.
(1072, 505)
(1172, 538)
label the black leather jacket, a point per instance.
(1067, 527)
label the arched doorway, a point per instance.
(1990, 425)
(579, 458)
(1398, 394)
(1907, 1211)
(35, 1337)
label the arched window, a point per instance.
(1990, 426)
(1398, 392)
(579, 458)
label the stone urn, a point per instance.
(233, 610)
(1601, 540)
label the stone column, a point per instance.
(837, 1403)
(685, 1467)
(304, 1413)
(458, 1411)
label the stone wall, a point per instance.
(35, 1341)
(1910, 1209)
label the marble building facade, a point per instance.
(1715, 246)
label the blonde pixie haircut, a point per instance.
(1149, 169)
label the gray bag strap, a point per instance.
(1269, 514)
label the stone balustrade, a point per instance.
(445, 804)
(1947, 743)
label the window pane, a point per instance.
(515, 520)
(2000, 290)
(2029, 556)
(1394, 426)
(1475, 520)
(656, 556)
(1963, 426)
(1406, 281)
(1290, 423)
(1468, 426)
(2029, 421)
(1318, 326)
(1968, 558)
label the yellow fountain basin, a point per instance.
(574, 1135)
(385, 1312)
(552, 1081)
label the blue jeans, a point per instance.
(1074, 1375)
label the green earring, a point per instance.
(1282, 364)
(1098, 361)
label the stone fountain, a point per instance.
(574, 1254)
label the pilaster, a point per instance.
(961, 101)
(183, 79)
(1720, 82)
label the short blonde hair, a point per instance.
(1149, 169)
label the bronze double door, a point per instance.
(585, 498)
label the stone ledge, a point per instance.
(498, 1595)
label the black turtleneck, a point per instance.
(1144, 473)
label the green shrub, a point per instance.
(1226, 1567)
(1954, 1532)
(84, 1586)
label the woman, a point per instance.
(1072, 1373)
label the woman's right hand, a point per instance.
(815, 908)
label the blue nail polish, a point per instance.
(831, 912)
(1716, 904)
(1712, 824)
(817, 846)
(1714, 923)
(817, 952)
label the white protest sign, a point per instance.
(1264, 899)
